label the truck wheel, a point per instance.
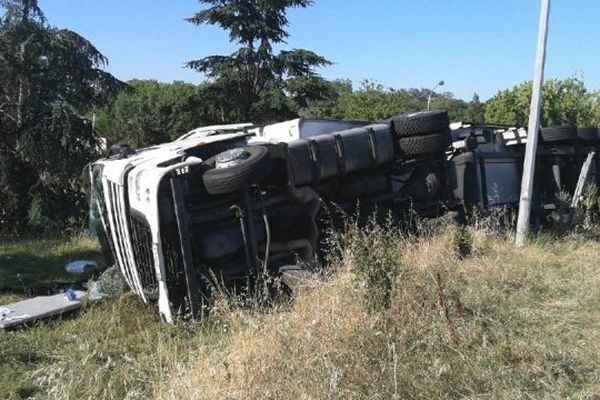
(419, 123)
(235, 169)
(559, 133)
(425, 144)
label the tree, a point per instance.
(476, 111)
(329, 106)
(49, 78)
(152, 112)
(372, 102)
(565, 102)
(458, 110)
(253, 82)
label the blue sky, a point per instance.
(474, 45)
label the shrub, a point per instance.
(462, 241)
(376, 262)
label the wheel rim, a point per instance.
(231, 158)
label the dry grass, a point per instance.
(398, 317)
(503, 323)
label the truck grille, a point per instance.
(171, 247)
(119, 223)
(141, 241)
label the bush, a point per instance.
(462, 241)
(375, 262)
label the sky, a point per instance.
(473, 45)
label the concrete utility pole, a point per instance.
(533, 128)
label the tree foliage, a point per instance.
(151, 112)
(254, 83)
(49, 77)
(372, 101)
(476, 110)
(565, 102)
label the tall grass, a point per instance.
(503, 323)
(454, 313)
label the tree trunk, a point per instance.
(21, 82)
(23, 47)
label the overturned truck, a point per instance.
(225, 203)
(231, 201)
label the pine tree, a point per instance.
(253, 82)
(49, 78)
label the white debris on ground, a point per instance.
(6, 314)
(38, 308)
(81, 267)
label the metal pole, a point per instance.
(440, 83)
(533, 128)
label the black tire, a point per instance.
(237, 177)
(559, 133)
(420, 123)
(587, 134)
(424, 185)
(425, 144)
